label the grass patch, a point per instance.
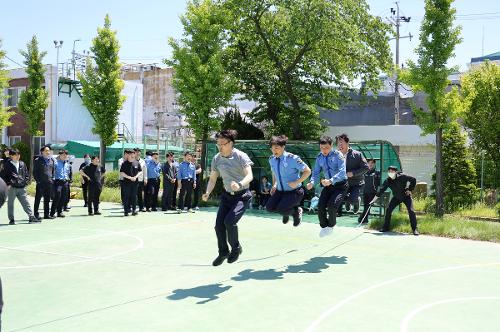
(450, 226)
(478, 210)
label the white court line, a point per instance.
(405, 322)
(86, 259)
(314, 325)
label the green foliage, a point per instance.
(200, 77)
(491, 170)
(101, 83)
(112, 179)
(246, 130)
(497, 208)
(24, 150)
(459, 174)
(289, 55)
(481, 93)
(34, 100)
(5, 113)
(438, 38)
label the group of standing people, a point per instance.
(140, 182)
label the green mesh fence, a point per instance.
(382, 151)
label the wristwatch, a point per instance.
(240, 184)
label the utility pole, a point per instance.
(396, 20)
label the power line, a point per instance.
(17, 63)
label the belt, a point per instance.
(235, 193)
(187, 180)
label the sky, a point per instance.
(145, 26)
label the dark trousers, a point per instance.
(130, 196)
(85, 186)
(61, 189)
(263, 199)
(285, 203)
(351, 196)
(93, 197)
(43, 190)
(329, 201)
(408, 201)
(152, 189)
(121, 192)
(174, 195)
(67, 197)
(367, 198)
(186, 193)
(141, 190)
(168, 192)
(197, 192)
(231, 209)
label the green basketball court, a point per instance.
(152, 273)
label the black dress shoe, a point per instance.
(134, 213)
(60, 215)
(233, 256)
(49, 217)
(383, 230)
(154, 210)
(285, 219)
(33, 219)
(91, 214)
(415, 232)
(12, 222)
(219, 260)
(97, 213)
(148, 210)
(142, 210)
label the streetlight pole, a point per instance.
(58, 45)
(73, 59)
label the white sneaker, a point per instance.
(197, 208)
(191, 211)
(325, 231)
(179, 211)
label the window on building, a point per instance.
(14, 139)
(39, 141)
(13, 96)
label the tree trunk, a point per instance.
(102, 153)
(439, 174)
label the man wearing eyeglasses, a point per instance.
(235, 168)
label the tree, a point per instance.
(459, 174)
(246, 130)
(481, 95)
(200, 77)
(102, 86)
(34, 100)
(295, 57)
(5, 113)
(438, 38)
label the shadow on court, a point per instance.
(208, 292)
(211, 292)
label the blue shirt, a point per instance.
(154, 169)
(286, 168)
(332, 165)
(61, 170)
(186, 171)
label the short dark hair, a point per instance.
(154, 153)
(392, 168)
(86, 155)
(13, 152)
(137, 150)
(188, 153)
(281, 140)
(149, 153)
(169, 154)
(326, 140)
(371, 159)
(229, 134)
(128, 151)
(343, 137)
(94, 157)
(45, 147)
(63, 151)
